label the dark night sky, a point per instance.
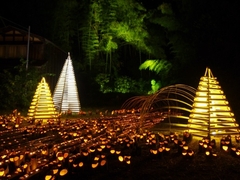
(34, 13)
(221, 54)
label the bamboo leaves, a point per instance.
(156, 66)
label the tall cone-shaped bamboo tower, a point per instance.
(65, 96)
(211, 114)
(42, 106)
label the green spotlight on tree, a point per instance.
(156, 66)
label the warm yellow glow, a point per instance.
(96, 158)
(207, 153)
(120, 158)
(184, 153)
(154, 151)
(2, 172)
(55, 171)
(63, 172)
(128, 161)
(167, 149)
(65, 95)
(95, 164)
(42, 106)
(48, 177)
(85, 153)
(80, 164)
(160, 149)
(211, 114)
(118, 151)
(190, 153)
(185, 147)
(112, 151)
(103, 162)
(225, 148)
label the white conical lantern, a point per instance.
(65, 96)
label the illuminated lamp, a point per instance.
(118, 151)
(42, 106)
(3, 172)
(154, 151)
(92, 149)
(167, 149)
(128, 160)
(185, 147)
(190, 153)
(102, 146)
(80, 164)
(60, 156)
(65, 95)
(112, 151)
(103, 162)
(65, 155)
(85, 153)
(175, 141)
(205, 145)
(211, 115)
(94, 164)
(225, 148)
(96, 158)
(214, 154)
(160, 149)
(55, 171)
(120, 158)
(208, 153)
(63, 172)
(237, 153)
(48, 177)
(45, 152)
(184, 152)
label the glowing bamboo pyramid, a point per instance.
(42, 106)
(65, 96)
(211, 114)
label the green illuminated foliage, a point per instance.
(155, 86)
(122, 84)
(103, 80)
(157, 66)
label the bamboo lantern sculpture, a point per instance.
(42, 106)
(65, 95)
(211, 114)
